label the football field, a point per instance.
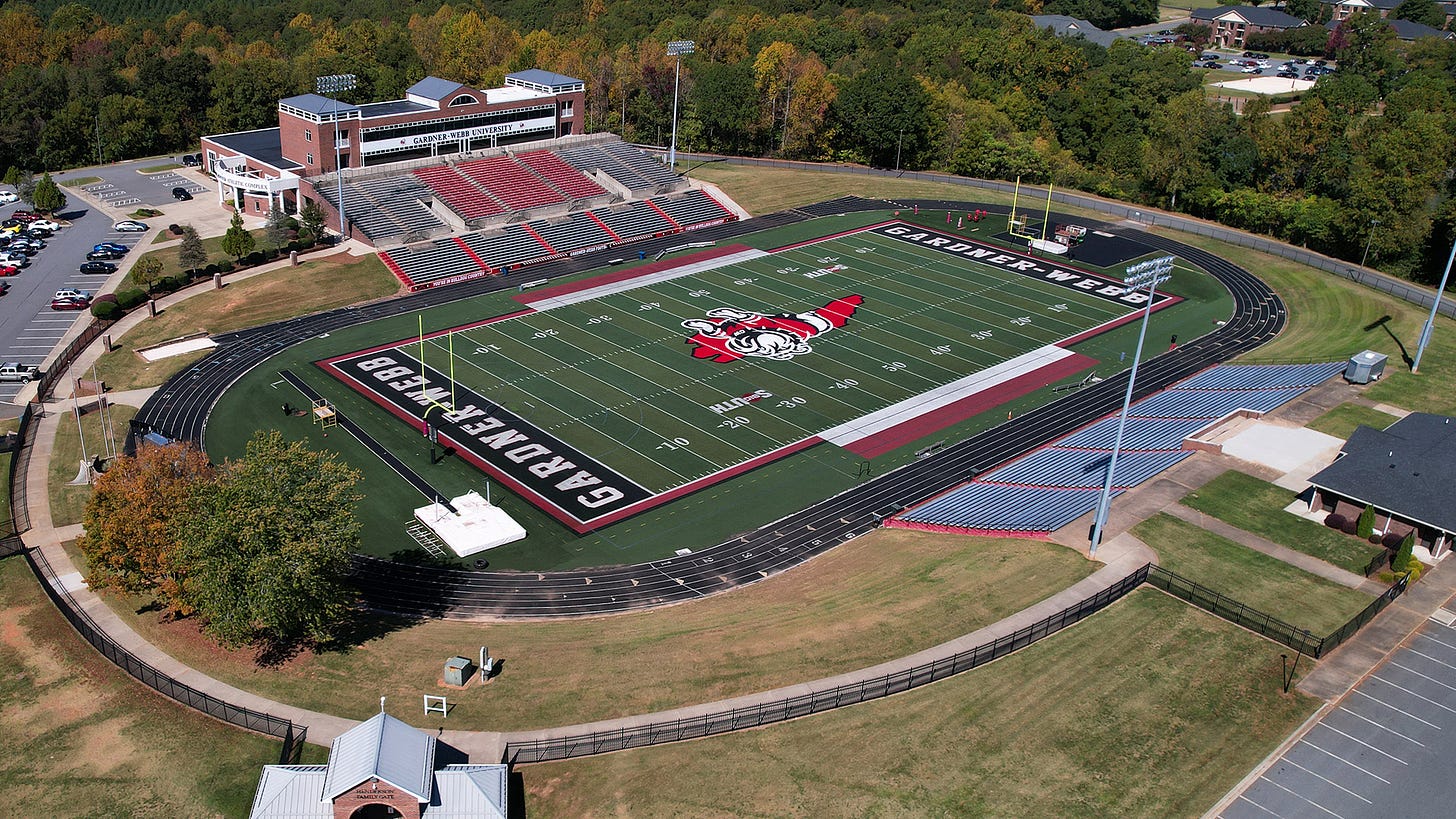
(606, 397)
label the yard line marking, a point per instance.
(1381, 727)
(1412, 693)
(1289, 761)
(1432, 659)
(1340, 758)
(1301, 797)
(1423, 676)
(1396, 710)
(1361, 741)
(1259, 806)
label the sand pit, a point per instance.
(1267, 85)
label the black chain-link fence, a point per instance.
(804, 704)
(1221, 605)
(1357, 622)
(18, 521)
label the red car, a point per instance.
(70, 303)
(9, 270)
(25, 216)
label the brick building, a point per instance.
(378, 769)
(1232, 24)
(259, 170)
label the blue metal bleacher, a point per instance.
(994, 507)
(1141, 433)
(1058, 467)
(1263, 376)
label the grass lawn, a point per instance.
(67, 502)
(1342, 420)
(165, 166)
(1150, 708)
(322, 284)
(1252, 578)
(5, 528)
(80, 181)
(876, 597)
(168, 255)
(1258, 507)
(83, 739)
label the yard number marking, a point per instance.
(675, 443)
(488, 348)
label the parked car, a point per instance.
(104, 255)
(28, 238)
(69, 304)
(115, 247)
(4, 288)
(192, 160)
(1253, 69)
(9, 257)
(1288, 75)
(130, 226)
(7, 197)
(9, 270)
(73, 293)
(15, 371)
(105, 268)
(25, 216)
(45, 224)
(181, 194)
(33, 232)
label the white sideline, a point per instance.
(552, 302)
(917, 405)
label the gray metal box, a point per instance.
(457, 671)
(1364, 367)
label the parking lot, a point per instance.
(29, 329)
(127, 185)
(1382, 751)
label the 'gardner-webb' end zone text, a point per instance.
(547, 468)
(1042, 269)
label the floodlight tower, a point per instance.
(334, 84)
(1430, 325)
(676, 49)
(1150, 274)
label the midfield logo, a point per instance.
(729, 334)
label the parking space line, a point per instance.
(1440, 642)
(1432, 659)
(1423, 676)
(1259, 806)
(1330, 781)
(1381, 727)
(1412, 693)
(1302, 797)
(1362, 742)
(1340, 758)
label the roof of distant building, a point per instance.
(264, 145)
(386, 748)
(542, 78)
(1064, 26)
(1408, 469)
(433, 88)
(1253, 15)
(316, 104)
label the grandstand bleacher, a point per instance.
(693, 208)
(635, 220)
(567, 179)
(1051, 487)
(643, 165)
(575, 231)
(461, 194)
(511, 182)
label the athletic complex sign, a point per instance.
(545, 123)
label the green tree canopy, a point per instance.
(48, 197)
(1426, 12)
(311, 218)
(883, 113)
(237, 242)
(147, 271)
(191, 253)
(268, 546)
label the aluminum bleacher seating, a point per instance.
(1180, 403)
(506, 247)
(511, 182)
(1263, 376)
(572, 233)
(389, 206)
(1079, 468)
(993, 507)
(440, 259)
(645, 166)
(462, 195)
(567, 179)
(692, 208)
(635, 221)
(593, 158)
(1141, 433)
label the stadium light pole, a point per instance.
(334, 84)
(898, 140)
(1374, 223)
(1151, 274)
(677, 48)
(1430, 325)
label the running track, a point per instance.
(180, 408)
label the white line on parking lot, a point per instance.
(1432, 659)
(1423, 676)
(1396, 710)
(1259, 806)
(1381, 727)
(1362, 742)
(1302, 797)
(1438, 642)
(1442, 706)
(1340, 758)
(31, 346)
(1289, 761)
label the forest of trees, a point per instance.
(972, 88)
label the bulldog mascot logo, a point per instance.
(728, 334)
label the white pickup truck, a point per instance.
(13, 371)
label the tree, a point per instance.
(25, 189)
(881, 113)
(147, 271)
(130, 519)
(267, 546)
(1366, 524)
(275, 229)
(312, 218)
(191, 254)
(48, 197)
(237, 242)
(1427, 12)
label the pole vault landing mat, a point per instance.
(1108, 250)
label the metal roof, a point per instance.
(291, 792)
(537, 76)
(433, 88)
(469, 792)
(1065, 26)
(383, 747)
(1407, 469)
(391, 108)
(315, 104)
(265, 146)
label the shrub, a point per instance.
(130, 298)
(1335, 520)
(1366, 525)
(105, 310)
(1375, 538)
(1349, 527)
(174, 229)
(1405, 556)
(1391, 541)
